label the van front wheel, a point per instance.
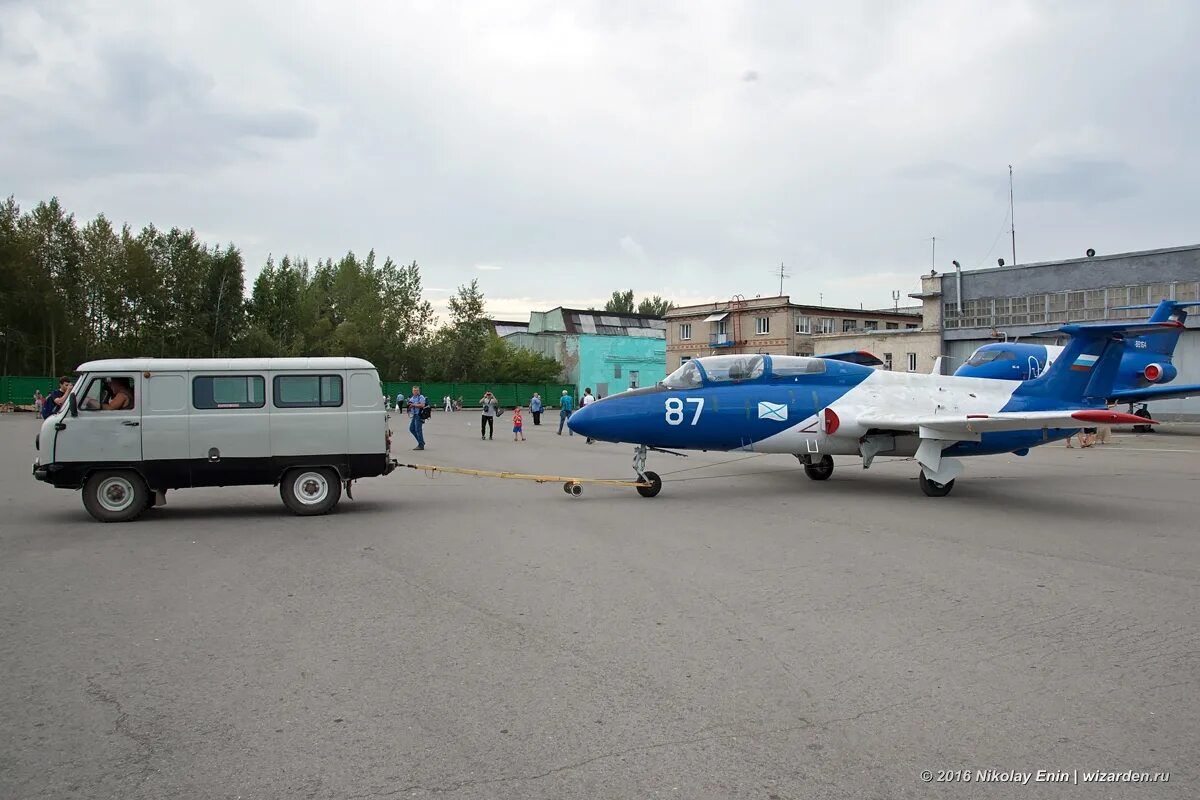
(311, 492)
(115, 495)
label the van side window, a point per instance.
(228, 391)
(308, 391)
(104, 393)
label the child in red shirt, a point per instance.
(518, 432)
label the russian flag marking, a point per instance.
(1084, 362)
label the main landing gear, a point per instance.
(819, 469)
(644, 476)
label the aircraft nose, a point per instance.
(584, 421)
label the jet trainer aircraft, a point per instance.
(816, 408)
(1145, 369)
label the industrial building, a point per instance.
(606, 351)
(772, 325)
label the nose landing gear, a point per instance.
(651, 478)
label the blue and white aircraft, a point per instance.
(815, 408)
(1145, 369)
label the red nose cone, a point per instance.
(1153, 372)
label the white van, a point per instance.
(133, 428)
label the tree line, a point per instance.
(71, 293)
(623, 303)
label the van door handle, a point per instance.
(130, 423)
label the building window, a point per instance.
(826, 324)
(887, 360)
(308, 391)
(912, 362)
(723, 328)
(762, 326)
(871, 324)
(685, 331)
(849, 325)
(228, 391)
(616, 370)
(803, 324)
(911, 326)
(684, 359)
(893, 326)
(633, 379)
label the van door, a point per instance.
(229, 430)
(99, 436)
(165, 430)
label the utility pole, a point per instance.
(933, 254)
(1011, 217)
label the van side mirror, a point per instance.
(72, 408)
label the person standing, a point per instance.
(535, 408)
(566, 404)
(38, 400)
(491, 410)
(416, 425)
(54, 401)
(518, 430)
(586, 401)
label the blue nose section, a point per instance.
(585, 421)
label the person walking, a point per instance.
(518, 430)
(491, 410)
(535, 408)
(416, 425)
(586, 401)
(566, 404)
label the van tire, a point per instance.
(118, 495)
(310, 491)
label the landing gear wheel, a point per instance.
(821, 470)
(1144, 413)
(933, 488)
(115, 495)
(310, 492)
(655, 484)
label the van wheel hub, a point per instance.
(115, 494)
(311, 488)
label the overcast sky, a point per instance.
(558, 151)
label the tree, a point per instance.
(621, 302)
(654, 306)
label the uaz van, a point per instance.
(133, 428)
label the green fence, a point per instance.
(507, 394)
(18, 389)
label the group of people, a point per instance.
(417, 406)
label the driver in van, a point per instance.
(120, 396)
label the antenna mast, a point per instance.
(1011, 217)
(933, 253)
(782, 274)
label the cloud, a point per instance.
(488, 267)
(631, 247)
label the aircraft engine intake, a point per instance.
(1159, 373)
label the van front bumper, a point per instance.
(40, 472)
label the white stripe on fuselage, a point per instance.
(904, 395)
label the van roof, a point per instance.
(222, 364)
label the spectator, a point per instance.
(586, 401)
(38, 400)
(491, 410)
(447, 404)
(518, 431)
(565, 405)
(535, 408)
(54, 402)
(458, 404)
(416, 425)
(399, 400)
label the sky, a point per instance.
(559, 151)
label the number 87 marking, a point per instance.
(674, 410)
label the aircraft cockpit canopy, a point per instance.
(985, 356)
(738, 368)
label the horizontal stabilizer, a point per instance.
(854, 357)
(1147, 393)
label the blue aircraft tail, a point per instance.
(1163, 343)
(1087, 369)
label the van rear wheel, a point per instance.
(311, 491)
(115, 495)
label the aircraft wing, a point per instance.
(951, 426)
(1148, 393)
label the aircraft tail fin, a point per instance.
(1087, 368)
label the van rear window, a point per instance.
(228, 391)
(308, 391)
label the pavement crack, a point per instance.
(122, 727)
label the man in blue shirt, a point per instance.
(566, 404)
(535, 408)
(55, 400)
(416, 404)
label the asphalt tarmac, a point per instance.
(747, 634)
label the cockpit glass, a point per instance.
(788, 366)
(982, 356)
(686, 377)
(723, 369)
